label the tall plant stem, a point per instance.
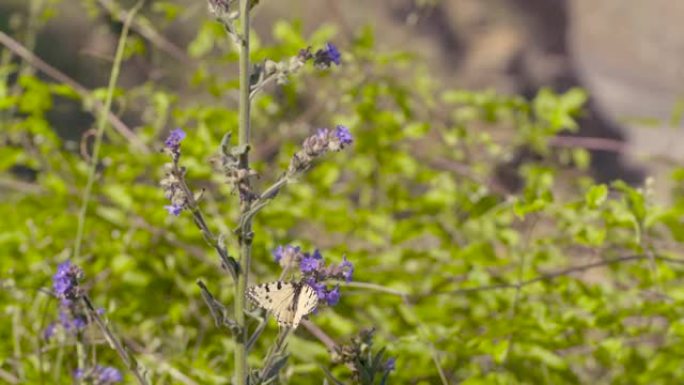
(101, 125)
(245, 231)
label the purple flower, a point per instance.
(391, 364)
(347, 269)
(174, 209)
(65, 281)
(332, 297)
(327, 56)
(174, 139)
(278, 254)
(309, 263)
(109, 375)
(287, 256)
(317, 255)
(343, 135)
(101, 375)
(318, 287)
(333, 53)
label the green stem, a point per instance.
(115, 343)
(245, 236)
(276, 349)
(101, 125)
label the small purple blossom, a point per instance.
(309, 263)
(174, 209)
(174, 139)
(318, 287)
(343, 135)
(101, 375)
(332, 297)
(347, 269)
(391, 364)
(278, 253)
(327, 56)
(109, 375)
(333, 53)
(317, 255)
(287, 256)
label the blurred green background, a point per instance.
(481, 202)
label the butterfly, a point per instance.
(288, 301)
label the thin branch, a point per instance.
(596, 144)
(95, 105)
(373, 287)
(227, 261)
(115, 343)
(320, 334)
(556, 274)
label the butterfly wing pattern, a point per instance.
(288, 301)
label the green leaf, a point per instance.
(596, 195)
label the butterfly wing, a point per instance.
(276, 297)
(306, 303)
(289, 302)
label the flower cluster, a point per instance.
(65, 282)
(280, 71)
(174, 140)
(100, 375)
(171, 182)
(314, 270)
(316, 145)
(65, 285)
(327, 56)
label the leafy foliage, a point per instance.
(563, 281)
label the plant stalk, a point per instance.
(245, 232)
(101, 125)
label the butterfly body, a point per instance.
(288, 301)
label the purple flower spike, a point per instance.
(343, 135)
(327, 56)
(174, 139)
(65, 281)
(333, 53)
